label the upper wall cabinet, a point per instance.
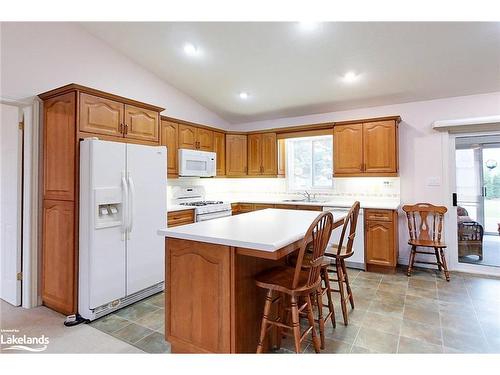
(220, 150)
(262, 154)
(194, 138)
(141, 124)
(101, 116)
(366, 149)
(169, 138)
(236, 155)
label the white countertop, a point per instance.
(266, 230)
(177, 207)
(341, 202)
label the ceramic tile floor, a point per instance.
(393, 314)
(140, 324)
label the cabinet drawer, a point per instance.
(246, 207)
(286, 206)
(176, 218)
(379, 215)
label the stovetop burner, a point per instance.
(200, 203)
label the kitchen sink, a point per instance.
(304, 200)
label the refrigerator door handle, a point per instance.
(130, 204)
(124, 207)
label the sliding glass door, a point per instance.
(478, 199)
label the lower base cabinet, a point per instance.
(182, 217)
(381, 240)
(58, 257)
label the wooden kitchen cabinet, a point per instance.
(220, 150)
(101, 116)
(59, 258)
(71, 113)
(348, 149)
(194, 138)
(141, 124)
(366, 149)
(59, 138)
(381, 240)
(262, 154)
(380, 147)
(169, 138)
(236, 155)
(281, 157)
(182, 217)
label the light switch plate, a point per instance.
(433, 181)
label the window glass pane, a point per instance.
(309, 162)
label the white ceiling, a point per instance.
(290, 72)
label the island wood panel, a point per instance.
(58, 256)
(141, 124)
(198, 296)
(348, 149)
(169, 138)
(247, 301)
(59, 141)
(236, 155)
(101, 116)
(380, 147)
(220, 150)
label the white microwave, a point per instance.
(193, 163)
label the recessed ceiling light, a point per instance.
(190, 49)
(350, 77)
(244, 95)
(308, 25)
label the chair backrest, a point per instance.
(418, 224)
(349, 228)
(316, 241)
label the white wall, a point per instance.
(421, 150)
(37, 57)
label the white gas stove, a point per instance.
(194, 196)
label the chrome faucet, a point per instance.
(308, 196)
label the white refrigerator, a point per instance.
(122, 205)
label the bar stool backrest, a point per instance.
(316, 241)
(349, 228)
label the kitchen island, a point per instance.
(212, 302)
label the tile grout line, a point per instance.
(477, 316)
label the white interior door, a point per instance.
(10, 204)
(148, 212)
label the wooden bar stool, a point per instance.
(296, 283)
(338, 253)
(423, 235)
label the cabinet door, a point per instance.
(220, 150)
(379, 243)
(59, 143)
(187, 137)
(379, 147)
(142, 124)
(236, 154)
(205, 139)
(58, 256)
(101, 116)
(282, 157)
(348, 149)
(169, 138)
(269, 154)
(254, 154)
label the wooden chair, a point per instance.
(339, 253)
(294, 283)
(423, 235)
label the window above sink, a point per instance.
(309, 163)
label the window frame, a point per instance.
(288, 175)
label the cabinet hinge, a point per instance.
(19, 276)
(21, 126)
